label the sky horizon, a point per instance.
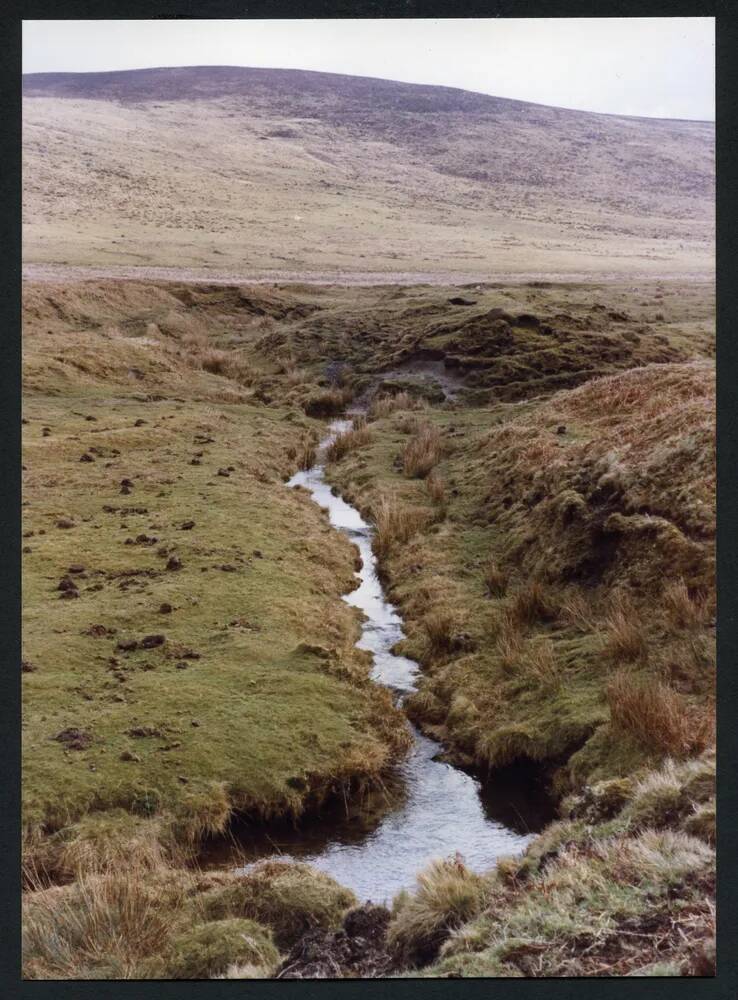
(640, 67)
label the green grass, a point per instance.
(274, 726)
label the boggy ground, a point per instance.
(538, 461)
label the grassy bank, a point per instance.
(538, 461)
(186, 652)
(554, 564)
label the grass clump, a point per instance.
(395, 524)
(384, 406)
(327, 402)
(436, 488)
(532, 604)
(448, 894)
(626, 633)
(207, 950)
(540, 664)
(685, 610)
(100, 927)
(596, 907)
(422, 452)
(441, 626)
(495, 578)
(289, 897)
(104, 842)
(350, 440)
(657, 716)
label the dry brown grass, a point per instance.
(395, 524)
(103, 926)
(509, 641)
(218, 362)
(383, 406)
(306, 454)
(684, 610)
(350, 440)
(422, 452)
(658, 716)
(495, 578)
(327, 402)
(626, 633)
(441, 625)
(533, 603)
(436, 487)
(540, 664)
(578, 612)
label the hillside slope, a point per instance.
(249, 170)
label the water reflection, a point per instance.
(429, 808)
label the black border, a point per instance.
(725, 983)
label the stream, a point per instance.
(432, 809)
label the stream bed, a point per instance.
(430, 809)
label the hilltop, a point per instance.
(246, 171)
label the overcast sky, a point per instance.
(658, 67)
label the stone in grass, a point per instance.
(64, 522)
(128, 755)
(223, 472)
(165, 609)
(174, 563)
(66, 583)
(187, 526)
(127, 645)
(28, 667)
(152, 641)
(87, 457)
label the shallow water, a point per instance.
(431, 809)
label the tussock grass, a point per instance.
(422, 452)
(395, 524)
(306, 454)
(495, 578)
(626, 631)
(447, 895)
(207, 950)
(288, 897)
(658, 716)
(509, 640)
(684, 610)
(384, 406)
(540, 664)
(532, 603)
(436, 487)
(589, 909)
(347, 442)
(327, 402)
(441, 626)
(100, 927)
(111, 841)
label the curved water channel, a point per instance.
(435, 809)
